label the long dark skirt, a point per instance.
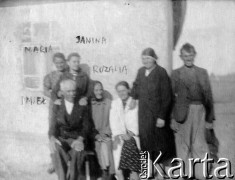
(154, 139)
(130, 157)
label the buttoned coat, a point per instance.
(66, 128)
(72, 125)
(154, 95)
(100, 116)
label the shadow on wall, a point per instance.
(223, 88)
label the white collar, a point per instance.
(127, 103)
(148, 71)
(68, 106)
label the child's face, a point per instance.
(148, 61)
(60, 63)
(98, 91)
(74, 63)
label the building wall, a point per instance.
(209, 25)
(122, 29)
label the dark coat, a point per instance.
(182, 96)
(78, 123)
(72, 125)
(154, 95)
(67, 127)
(82, 81)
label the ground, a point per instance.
(26, 156)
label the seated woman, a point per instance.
(103, 144)
(125, 131)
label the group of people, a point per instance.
(158, 114)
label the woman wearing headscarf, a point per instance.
(125, 131)
(153, 90)
(100, 106)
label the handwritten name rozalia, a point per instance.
(109, 69)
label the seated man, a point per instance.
(69, 129)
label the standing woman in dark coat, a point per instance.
(153, 90)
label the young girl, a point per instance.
(75, 73)
(125, 131)
(103, 144)
(50, 82)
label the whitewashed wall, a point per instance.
(128, 28)
(210, 27)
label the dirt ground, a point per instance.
(26, 156)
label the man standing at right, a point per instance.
(193, 110)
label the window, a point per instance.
(37, 54)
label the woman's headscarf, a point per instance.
(93, 97)
(149, 52)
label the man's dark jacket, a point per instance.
(72, 125)
(182, 98)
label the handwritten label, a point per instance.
(109, 69)
(33, 100)
(38, 49)
(90, 40)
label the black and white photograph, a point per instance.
(117, 89)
